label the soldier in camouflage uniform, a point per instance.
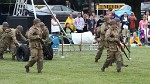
(120, 33)
(45, 33)
(101, 37)
(34, 36)
(2, 28)
(112, 36)
(8, 39)
(16, 32)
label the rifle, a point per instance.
(118, 43)
(124, 44)
(122, 49)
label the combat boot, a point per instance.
(1, 57)
(13, 57)
(30, 64)
(103, 69)
(118, 66)
(119, 70)
(98, 56)
(39, 66)
(124, 65)
(27, 68)
(96, 60)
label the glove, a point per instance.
(19, 44)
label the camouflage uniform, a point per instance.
(120, 33)
(101, 39)
(112, 36)
(35, 46)
(15, 33)
(45, 33)
(8, 39)
(1, 30)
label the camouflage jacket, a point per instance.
(8, 37)
(111, 36)
(34, 34)
(1, 31)
(18, 34)
(101, 31)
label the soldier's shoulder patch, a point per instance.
(31, 30)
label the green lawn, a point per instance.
(79, 68)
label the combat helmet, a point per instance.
(42, 24)
(112, 22)
(5, 24)
(36, 20)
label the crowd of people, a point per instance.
(90, 22)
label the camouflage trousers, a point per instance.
(110, 58)
(11, 46)
(36, 56)
(101, 46)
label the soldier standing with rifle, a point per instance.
(120, 36)
(112, 36)
(34, 36)
(101, 30)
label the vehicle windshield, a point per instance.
(125, 7)
(66, 8)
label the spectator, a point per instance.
(125, 27)
(79, 23)
(91, 24)
(132, 23)
(95, 17)
(143, 24)
(70, 20)
(68, 30)
(148, 37)
(111, 16)
(142, 37)
(148, 18)
(100, 21)
(108, 12)
(125, 21)
(135, 41)
(113, 13)
(85, 17)
(54, 25)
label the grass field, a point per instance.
(79, 68)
